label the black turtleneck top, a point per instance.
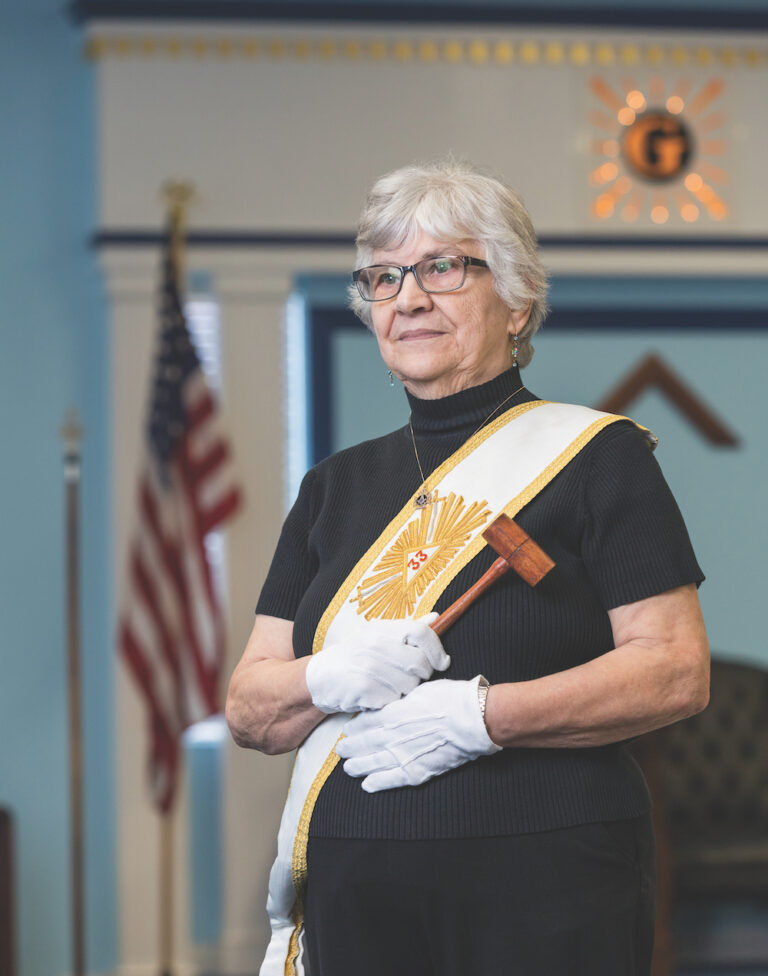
(614, 530)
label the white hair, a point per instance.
(453, 200)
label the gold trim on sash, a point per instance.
(299, 859)
(293, 945)
(299, 863)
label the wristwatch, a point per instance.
(482, 694)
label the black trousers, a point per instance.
(572, 902)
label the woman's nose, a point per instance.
(412, 296)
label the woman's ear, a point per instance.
(518, 318)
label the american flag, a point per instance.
(171, 633)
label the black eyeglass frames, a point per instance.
(379, 282)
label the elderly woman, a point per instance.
(468, 806)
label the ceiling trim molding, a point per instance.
(221, 238)
(727, 17)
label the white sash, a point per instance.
(499, 469)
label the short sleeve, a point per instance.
(293, 567)
(635, 543)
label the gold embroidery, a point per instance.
(416, 558)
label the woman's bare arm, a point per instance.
(269, 707)
(657, 673)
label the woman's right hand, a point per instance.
(378, 663)
(269, 704)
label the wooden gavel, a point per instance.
(516, 550)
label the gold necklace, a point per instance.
(424, 497)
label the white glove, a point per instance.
(437, 727)
(377, 664)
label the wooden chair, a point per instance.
(709, 779)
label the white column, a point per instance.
(252, 303)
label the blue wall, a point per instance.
(54, 354)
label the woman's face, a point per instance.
(440, 344)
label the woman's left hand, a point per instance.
(436, 727)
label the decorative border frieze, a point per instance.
(497, 51)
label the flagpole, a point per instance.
(177, 195)
(71, 434)
(166, 927)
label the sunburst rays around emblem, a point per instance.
(424, 548)
(659, 149)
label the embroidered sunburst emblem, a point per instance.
(424, 548)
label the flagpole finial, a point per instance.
(178, 194)
(71, 431)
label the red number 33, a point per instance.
(417, 559)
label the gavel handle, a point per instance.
(448, 617)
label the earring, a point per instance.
(514, 350)
(391, 378)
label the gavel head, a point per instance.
(519, 550)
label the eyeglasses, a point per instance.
(379, 282)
